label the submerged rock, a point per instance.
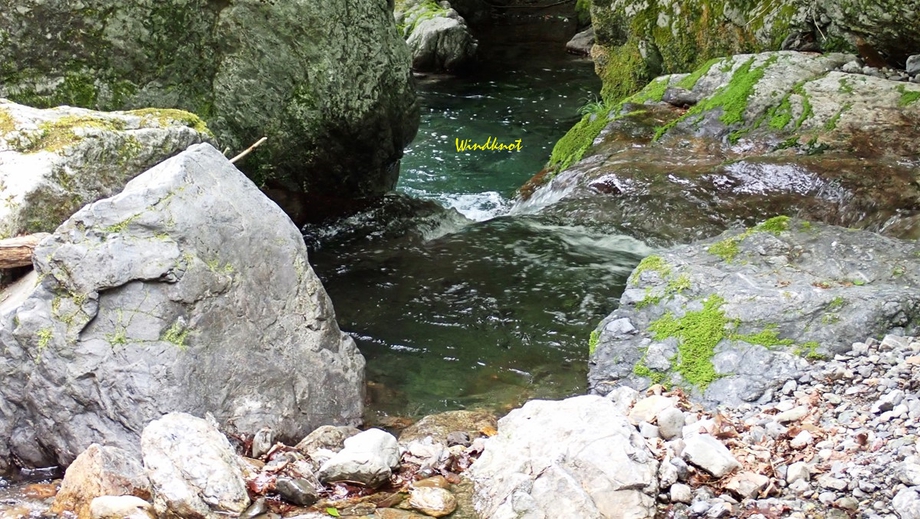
(764, 134)
(193, 469)
(189, 291)
(53, 162)
(579, 457)
(121, 507)
(737, 316)
(327, 82)
(438, 37)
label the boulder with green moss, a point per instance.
(188, 291)
(327, 82)
(733, 317)
(438, 37)
(742, 139)
(53, 162)
(638, 40)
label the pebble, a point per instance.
(709, 454)
(681, 493)
(797, 471)
(803, 439)
(671, 423)
(432, 501)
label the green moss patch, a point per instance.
(166, 117)
(593, 340)
(62, 133)
(7, 124)
(698, 333)
(573, 145)
(908, 96)
(653, 263)
(728, 248)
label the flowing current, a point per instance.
(470, 303)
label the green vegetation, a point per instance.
(732, 99)
(767, 338)
(727, 249)
(654, 91)
(44, 338)
(418, 13)
(61, 133)
(592, 341)
(694, 77)
(831, 123)
(674, 286)
(809, 350)
(583, 12)
(119, 338)
(121, 226)
(7, 124)
(908, 96)
(166, 117)
(573, 145)
(176, 334)
(653, 263)
(698, 333)
(657, 377)
(836, 304)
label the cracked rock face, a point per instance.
(189, 291)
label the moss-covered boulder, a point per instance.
(732, 317)
(739, 140)
(640, 39)
(326, 82)
(438, 37)
(53, 162)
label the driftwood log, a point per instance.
(17, 252)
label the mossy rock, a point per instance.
(327, 83)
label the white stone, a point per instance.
(367, 458)
(747, 484)
(578, 457)
(797, 471)
(793, 415)
(681, 493)
(709, 454)
(801, 440)
(432, 501)
(648, 408)
(120, 507)
(907, 504)
(670, 423)
(193, 470)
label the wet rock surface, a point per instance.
(191, 291)
(749, 137)
(735, 317)
(53, 162)
(100, 471)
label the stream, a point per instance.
(456, 298)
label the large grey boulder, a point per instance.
(578, 457)
(327, 82)
(739, 140)
(736, 316)
(189, 291)
(438, 37)
(193, 470)
(367, 459)
(53, 162)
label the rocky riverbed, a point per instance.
(838, 441)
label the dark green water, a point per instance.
(476, 307)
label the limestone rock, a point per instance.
(648, 408)
(53, 162)
(121, 507)
(709, 454)
(579, 457)
(438, 37)
(367, 459)
(328, 437)
(763, 299)
(907, 504)
(188, 291)
(436, 502)
(670, 423)
(807, 140)
(747, 485)
(193, 469)
(100, 471)
(327, 82)
(438, 426)
(581, 43)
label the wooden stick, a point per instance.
(248, 150)
(17, 252)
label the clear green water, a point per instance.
(486, 309)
